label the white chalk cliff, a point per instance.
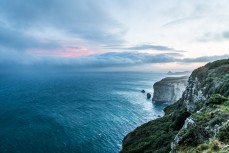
(169, 89)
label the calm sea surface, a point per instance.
(73, 112)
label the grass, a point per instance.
(156, 136)
(217, 63)
(211, 116)
(223, 134)
(216, 99)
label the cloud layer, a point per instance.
(83, 19)
(105, 60)
(88, 33)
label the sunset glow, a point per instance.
(67, 52)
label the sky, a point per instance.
(119, 35)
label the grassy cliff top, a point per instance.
(157, 135)
(168, 80)
(209, 129)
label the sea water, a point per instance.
(82, 112)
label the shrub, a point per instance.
(223, 134)
(202, 147)
(215, 145)
(217, 63)
(216, 120)
(216, 99)
(224, 88)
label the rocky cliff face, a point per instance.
(197, 122)
(169, 89)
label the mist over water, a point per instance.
(73, 112)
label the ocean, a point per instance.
(84, 112)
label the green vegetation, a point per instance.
(217, 63)
(208, 132)
(223, 134)
(224, 88)
(216, 99)
(211, 147)
(158, 134)
(214, 78)
(214, 146)
(206, 124)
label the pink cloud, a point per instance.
(66, 52)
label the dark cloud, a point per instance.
(147, 47)
(128, 58)
(105, 60)
(83, 19)
(110, 59)
(17, 40)
(175, 54)
(204, 59)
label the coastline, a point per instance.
(206, 93)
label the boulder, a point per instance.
(148, 95)
(143, 91)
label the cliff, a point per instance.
(197, 122)
(169, 89)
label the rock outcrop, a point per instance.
(143, 91)
(197, 122)
(169, 89)
(148, 95)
